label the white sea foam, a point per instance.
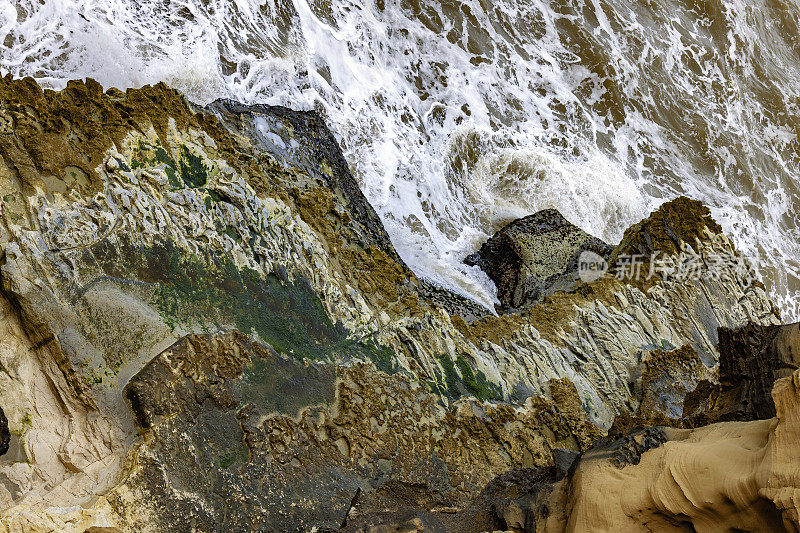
(459, 116)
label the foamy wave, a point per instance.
(456, 119)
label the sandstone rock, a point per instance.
(748, 479)
(139, 233)
(535, 256)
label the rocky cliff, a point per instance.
(207, 328)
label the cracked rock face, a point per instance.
(204, 326)
(740, 475)
(535, 256)
(752, 358)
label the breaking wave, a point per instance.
(457, 116)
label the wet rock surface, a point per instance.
(303, 139)
(535, 256)
(204, 326)
(752, 358)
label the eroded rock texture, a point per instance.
(204, 327)
(535, 256)
(733, 476)
(740, 476)
(235, 430)
(751, 359)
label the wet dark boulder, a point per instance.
(752, 358)
(535, 256)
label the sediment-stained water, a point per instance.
(458, 116)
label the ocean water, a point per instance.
(457, 116)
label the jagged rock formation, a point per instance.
(666, 230)
(205, 326)
(676, 389)
(5, 435)
(535, 256)
(267, 430)
(737, 475)
(752, 358)
(661, 385)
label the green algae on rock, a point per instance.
(535, 256)
(203, 296)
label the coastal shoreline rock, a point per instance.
(648, 478)
(204, 323)
(535, 256)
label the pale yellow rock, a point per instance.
(742, 476)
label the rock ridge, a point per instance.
(204, 325)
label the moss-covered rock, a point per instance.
(137, 229)
(535, 256)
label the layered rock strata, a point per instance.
(738, 475)
(205, 326)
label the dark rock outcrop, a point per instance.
(5, 435)
(629, 449)
(752, 358)
(535, 256)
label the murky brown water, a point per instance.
(460, 115)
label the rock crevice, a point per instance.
(205, 325)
